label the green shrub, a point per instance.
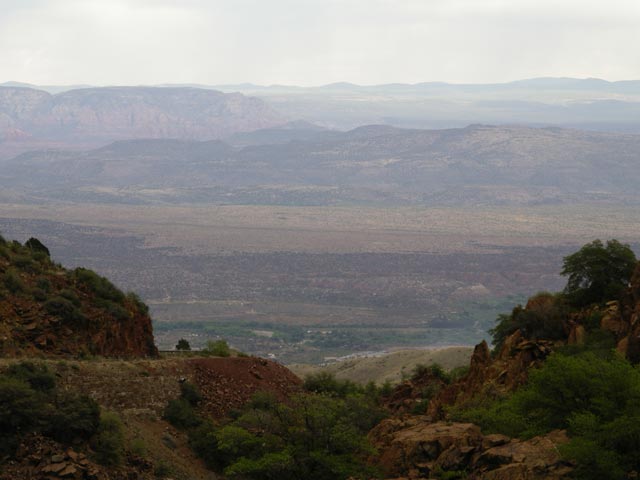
(108, 442)
(181, 414)
(75, 416)
(21, 409)
(99, 286)
(29, 402)
(435, 370)
(327, 383)
(458, 373)
(183, 345)
(141, 307)
(138, 447)
(545, 318)
(39, 295)
(40, 257)
(116, 310)
(63, 308)
(70, 295)
(262, 400)
(316, 436)
(595, 396)
(12, 281)
(25, 263)
(190, 393)
(38, 376)
(59, 306)
(203, 442)
(44, 284)
(217, 348)
(162, 469)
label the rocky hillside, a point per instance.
(509, 367)
(100, 115)
(46, 309)
(511, 389)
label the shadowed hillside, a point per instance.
(45, 309)
(369, 165)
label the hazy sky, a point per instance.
(311, 42)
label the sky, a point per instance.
(315, 42)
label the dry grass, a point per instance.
(389, 367)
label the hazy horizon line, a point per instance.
(18, 83)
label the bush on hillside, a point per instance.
(99, 286)
(74, 416)
(327, 383)
(30, 402)
(141, 307)
(595, 396)
(12, 282)
(38, 376)
(180, 413)
(114, 309)
(544, 318)
(21, 410)
(108, 442)
(65, 309)
(316, 436)
(217, 348)
(598, 272)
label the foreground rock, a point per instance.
(44, 459)
(413, 448)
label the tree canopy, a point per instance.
(598, 272)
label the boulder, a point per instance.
(415, 448)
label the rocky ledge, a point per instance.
(412, 448)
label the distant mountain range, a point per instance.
(555, 83)
(36, 117)
(303, 165)
(96, 116)
(591, 103)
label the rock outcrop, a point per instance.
(41, 458)
(409, 394)
(622, 318)
(493, 376)
(509, 368)
(413, 448)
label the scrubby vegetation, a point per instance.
(595, 396)
(30, 402)
(319, 433)
(588, 388)
(108, 441)
(596, 273)
(217, 348)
